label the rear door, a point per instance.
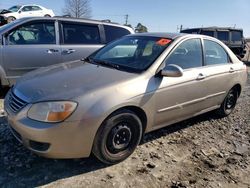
(37, 11)
(79, 40)
(218, 72)
(26, 11)
(30, 46)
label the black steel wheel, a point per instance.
(229, 103)
(117, 137)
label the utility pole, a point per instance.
(126, 19)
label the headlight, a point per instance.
(51, 111)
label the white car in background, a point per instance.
(21, 11)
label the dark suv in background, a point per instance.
(232, 37)
(30, 43)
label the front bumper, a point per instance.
(60, 140)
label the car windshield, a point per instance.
(131, 53)
(14, 8)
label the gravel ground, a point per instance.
(200, 152)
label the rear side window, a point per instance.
(27, 8)
(35, 8)
(214, 53)
(113, 33)
(80, 34)
(223, 35)
(34, 33)
(236, 36)
(208, 33)
(191, 31)
(187, 55)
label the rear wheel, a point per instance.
(118, 137)
(229, 103)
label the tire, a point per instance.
(10, 19)
(47, 15)
(117, 137)
(229, 103)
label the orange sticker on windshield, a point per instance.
(163, 42)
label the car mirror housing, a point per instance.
(172, 71)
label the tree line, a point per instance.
(82, 9)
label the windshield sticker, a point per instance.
(163, 42)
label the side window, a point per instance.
(236, 36)
(113, 33)
(187, 55)
(214, 53)
(80, 34)
(36, 33)
(35, 8)
(27, 8)
(223, 35)
(208, 33)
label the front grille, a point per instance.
(15, 103)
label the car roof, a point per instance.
(214, 28)
(161, 35)
(61, 18)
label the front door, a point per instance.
(180, 97)
(29, 47)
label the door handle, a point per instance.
(231, 70)
(69, 51)
(201, 76)
(51, 51)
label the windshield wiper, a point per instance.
(100, 62)
(106, 63)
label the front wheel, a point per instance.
(47, 15)
(117, 137)
(10, 19)
(229, 103)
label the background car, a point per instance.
(132, 86)
(30, 43)
(232, 37)
(22, 11)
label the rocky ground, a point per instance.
(201, 152)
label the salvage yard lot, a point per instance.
(200, 152)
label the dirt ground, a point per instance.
(200, 152)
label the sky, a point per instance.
(162, 15)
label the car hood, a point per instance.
(66, 81)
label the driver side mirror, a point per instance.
(172, 70)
